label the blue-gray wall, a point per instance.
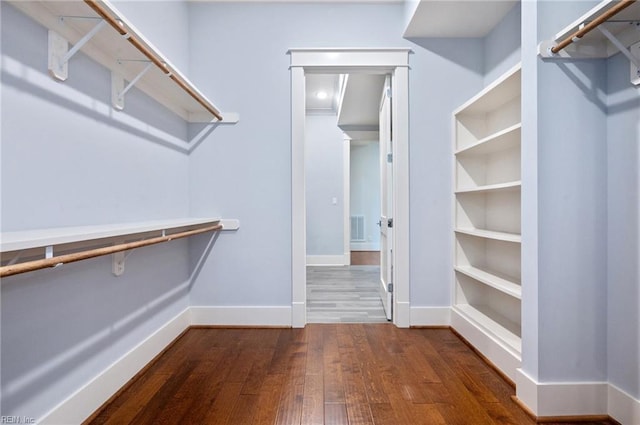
(572, 201)
(68, 159)
(324, 180)
(244, 170)
(364, 195)
(623, 227)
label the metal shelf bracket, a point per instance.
(60, 54)
(118, 89)
(629, 53)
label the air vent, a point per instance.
(357, 228)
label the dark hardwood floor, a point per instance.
(322, 374)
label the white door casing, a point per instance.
(391, 61)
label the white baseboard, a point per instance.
(502, 356)
(430, 316)
(298, 314)
(623, 407)
(402, 314)
(81, 404)
(329, 260)
(241, 316)
(558, 399)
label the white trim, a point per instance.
(298, 314)
(86, 400)
(401, 313)
(346, 202)
(622, 406)
(493, 348)
(328, 260)
(241, 316)
(344, 60)
(430, 316)
(298, 200)
(562, 398)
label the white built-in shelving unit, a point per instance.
(487, 199)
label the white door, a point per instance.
(386, 198)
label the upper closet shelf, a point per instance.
(79, 243)
(28, 239)
(610, 27)
(445, 19)
(132, 59)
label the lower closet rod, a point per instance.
(30, 266)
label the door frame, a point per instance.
(392, 61)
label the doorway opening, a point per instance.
(392, 62)
(344, 166)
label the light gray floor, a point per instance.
(346, 294)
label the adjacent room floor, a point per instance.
(344, 294)
(337, 374)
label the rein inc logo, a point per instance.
(16, 420)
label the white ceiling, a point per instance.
(463, 18)
(328, 83)
(353, 98)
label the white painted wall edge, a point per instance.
(328, 260)
(241, 316)
(430, 316)
(577, 399)
(81, 404)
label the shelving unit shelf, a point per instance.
(487, 221)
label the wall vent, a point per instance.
(357, 228)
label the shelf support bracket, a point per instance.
(635, 61)
(118, 89)
(117, 263)
(59, 53)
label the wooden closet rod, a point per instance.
(30, 266)
(117, 25)
(623, 4)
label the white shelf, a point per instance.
(509, 186)
(21, 240)
(502, 140)
(116, 53)
(489, 234)
(493, 323)
(502, 283)
(495, 95)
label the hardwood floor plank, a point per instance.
(335, 413)
(244, 410)
(267, 405)
(223, 405)
(136, 399)
(325, 373)
(313, 403)
(382, 414)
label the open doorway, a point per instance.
(344, 165)
(392, 62)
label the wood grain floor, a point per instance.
(344, 294)
(322, 374)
